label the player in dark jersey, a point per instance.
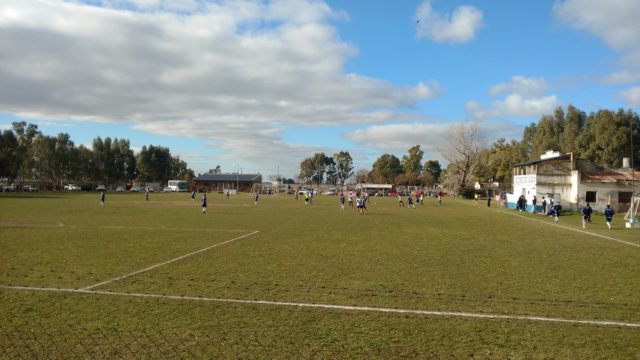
(608, 215)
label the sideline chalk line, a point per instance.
(168, 261)
(578, 230)
(562, 226)
(114, 227)
(341, 307)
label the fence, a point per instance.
(34, 341)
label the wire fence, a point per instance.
(29, 341)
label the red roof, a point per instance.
(609, 176)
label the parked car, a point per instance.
(119, 189)
(101, 188)
(30, 188)
(331, 191)
(72, 187)
(135, 188)
(167, 189)
(150, 189)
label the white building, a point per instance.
(573, 183)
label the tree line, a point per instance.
(28, 155)
(337, 169)
(603, 137)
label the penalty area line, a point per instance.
(459, 314)
(168, 261)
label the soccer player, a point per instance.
(410, 201)
(193, 195)
(359, 205)
(555, 212)
(608, 215)
(586, 215)
(342, 201)
(255, 199)
(350, 199)
(365, 198)
(102, 195)
(204, 203)
(400, 202)
(439, 198)
(146, 194)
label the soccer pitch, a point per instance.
(157, 278)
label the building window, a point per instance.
(624, 197)
(591, 196)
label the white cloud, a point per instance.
(397, 138)
(525, 86)
(622, 77)
(631, 96)
(613, 21)
(233, 71)
(460, 27)
(524, 97)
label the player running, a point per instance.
(204, 203)
(342, 201)
(608, 215)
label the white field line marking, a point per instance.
(118, 227)
(578, 230)
(26, 226)
(565, 227)
(168, 261)
(342, 307)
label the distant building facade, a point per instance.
(222, 182)
(573, 182)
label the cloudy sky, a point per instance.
(260, 85)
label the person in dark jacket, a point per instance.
(586, 215)
(608, 215)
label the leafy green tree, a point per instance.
(573, 124)
(606, 137)
(331, 170)
(433, 168)
(344, 166)
(385, 169)
(549, 134)
(412, 163)
(25, 134)
(154, 164)
(9, 160)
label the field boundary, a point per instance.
(112, 227)
(577, 230)
(504, 211)
(459, 314)
(168, 261)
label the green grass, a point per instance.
(459, 257)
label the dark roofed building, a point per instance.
(221, 182)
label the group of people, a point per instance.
(410, 203)
(586, 215)
(554, 209)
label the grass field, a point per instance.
(284, 280)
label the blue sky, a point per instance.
(265, 84)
